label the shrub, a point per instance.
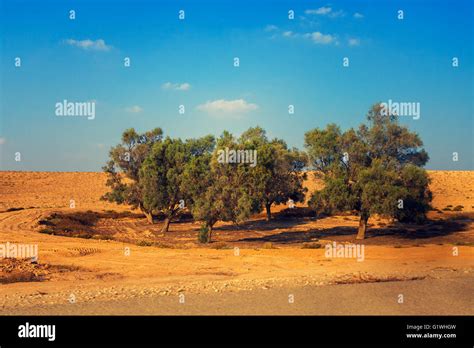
(311, 246)
(268, 245)
(203, 235)
(144, 243)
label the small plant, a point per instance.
(311, 246)
(268, 245)
(203, 235)
(144, 243)
(458, 208)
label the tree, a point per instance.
(123, 168)
(218, 191)
(160, 178)
(278, 175)
(416, 198)
(374, 170)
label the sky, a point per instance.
(190, 62)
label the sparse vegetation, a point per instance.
(268, 245)
(22, 270)
(144, 243)
(311, 246)
(204, 235)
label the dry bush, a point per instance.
(268, 245)
(311, 246)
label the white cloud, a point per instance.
(354, 42)
(176, 86)
(320, 38)
(320, 11)
(288, 34)
(3, 141)
(135, 109)
(358, 15)
(325, 11)
(221, 106)
(271, 27)
(97, 45)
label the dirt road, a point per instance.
(449, 296)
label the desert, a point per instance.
(103, 258)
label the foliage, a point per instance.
(372, 170)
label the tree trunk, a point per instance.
(149, 215)
(269, 212)
(209, 232)
(166, 225)
(364, 217)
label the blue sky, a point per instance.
(190, 62)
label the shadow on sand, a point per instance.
(398, 232)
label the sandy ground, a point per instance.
(92, 276)
(447, 296)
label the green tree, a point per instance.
(218, 191)
(161, 176)
(123, 168)
(278, 175)
(374, 170)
